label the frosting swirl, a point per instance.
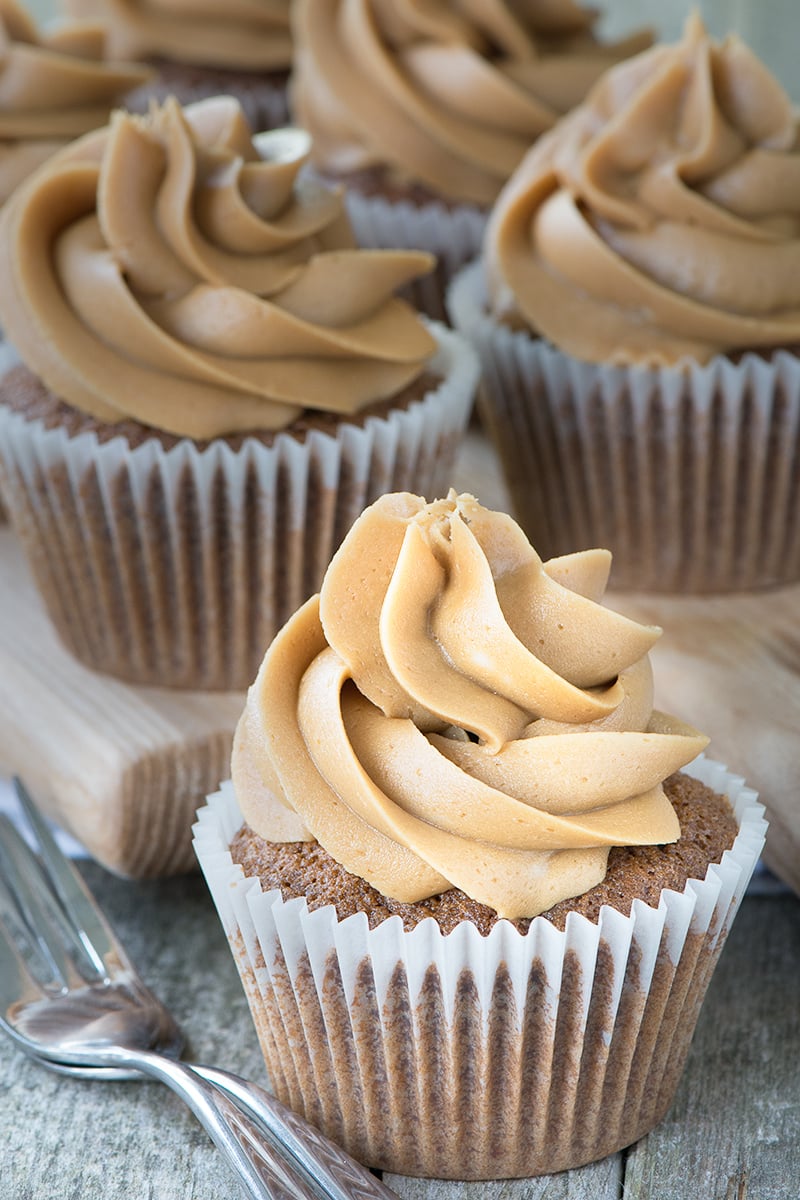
(53, 88)
(447, 94)
(235, 34)
(175, 270)
(451, 711)
(661, 219)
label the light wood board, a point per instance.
(731, 667)
(122, 768)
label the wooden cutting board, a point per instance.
(124, 768)
(730, 665)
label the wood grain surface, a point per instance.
(122, 768)
(730, 665)
(733, 1132)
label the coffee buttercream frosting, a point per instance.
(661, 219)
(450, 711)
(175, 270)
(53, 87)
(231, 34)
(449, 95)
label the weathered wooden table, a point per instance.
(733, 1132)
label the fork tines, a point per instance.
(48, 903)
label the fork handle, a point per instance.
(262, 1171)
(331, 1171)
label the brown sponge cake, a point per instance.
(304, 869)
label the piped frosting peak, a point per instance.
(453, 712)
(176, 270)
(661, 219)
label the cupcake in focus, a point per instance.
(204, 48)
(54, 86)
(638, 315)
(425, 111)
(474, 907)
(214, 383)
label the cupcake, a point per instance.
(199, 50)
(56, 86)
(214, 383)
(638, 315)
(474, 903)
(425, 110)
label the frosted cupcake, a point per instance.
(638, 319)
(56, 86)
(215, 383)
(204, 48)
(474, 908)
(425, 111)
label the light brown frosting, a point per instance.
(53, 88)
(234, 34)
(447, 94)
(451, 711)
(662, 218)
(175, 270)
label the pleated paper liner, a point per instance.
(467, 1057)
(690, 475)
(176, 567)
(452, 234)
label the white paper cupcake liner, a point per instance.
(688, 474)
(454, 235)
(474, 1057)
(177, 567)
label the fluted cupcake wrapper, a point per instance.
(177, 567)
(453, 234)
(687, 474)
(467, 1057)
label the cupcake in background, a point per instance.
(204, 48)
(215, 384)
(638, 316)
(474, 907)
(54, 87)
(424, 111)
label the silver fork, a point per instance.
(71, 998)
